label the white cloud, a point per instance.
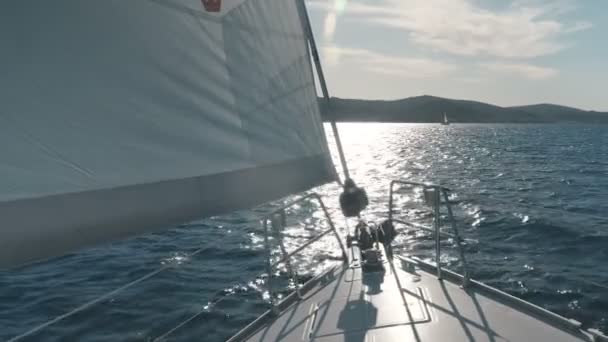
(529, 71)
(374, 62)
(525, 29)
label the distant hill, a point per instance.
(430, 109)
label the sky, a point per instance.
(505, 52)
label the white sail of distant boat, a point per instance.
(153, 113)
(445, 119)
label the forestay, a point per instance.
(122, 117)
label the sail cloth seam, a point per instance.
(241, 53)
(160, 182)
(274, 99)
(221, 19)
(148, 110)
(255, 86)
(284, 82)
(140, 208)
(287, 92)
(49, 151)
(88, 173)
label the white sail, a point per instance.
(121, 117)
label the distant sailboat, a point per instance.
(445, 119)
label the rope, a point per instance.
(99, 299)
(193, 317)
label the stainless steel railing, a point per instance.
(286, 257)
(433, 196)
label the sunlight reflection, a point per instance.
(340, 5)
(376, 153)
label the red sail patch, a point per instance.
(212, 5)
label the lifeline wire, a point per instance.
(98, 299)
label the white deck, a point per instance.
(348, 305)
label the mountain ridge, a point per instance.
(428, 108)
